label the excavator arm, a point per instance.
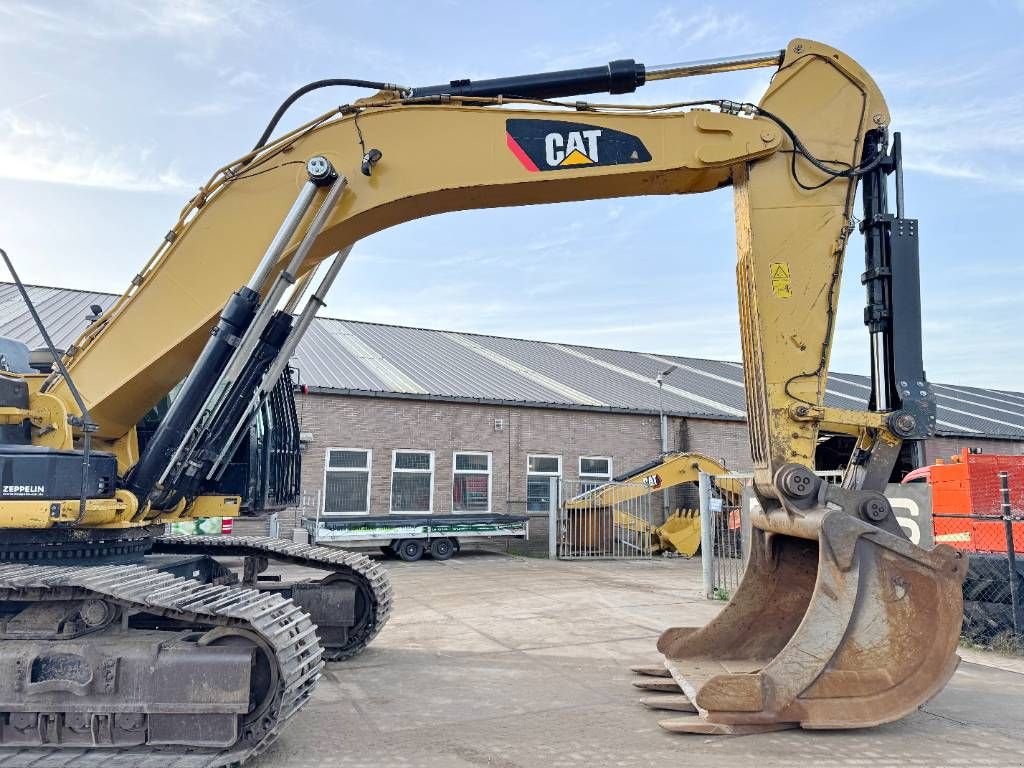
(867, 639)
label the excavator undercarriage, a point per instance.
(108, 655)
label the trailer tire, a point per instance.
(409, 550)
(442, 549)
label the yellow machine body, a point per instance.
(839, 622)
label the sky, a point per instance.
(112, 113)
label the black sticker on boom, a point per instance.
(555, 145)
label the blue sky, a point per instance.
(113, 111)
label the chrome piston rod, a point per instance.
(714, 66)
(251, 337)
(314, 303)
(284, 279)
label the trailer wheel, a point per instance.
(410, 550)
(442, 549)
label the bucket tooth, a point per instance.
(657, 684)
(856, 629)
(654, 670)
(680, 703)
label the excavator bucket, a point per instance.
(680, 533)
(855, 629)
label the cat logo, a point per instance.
(652, 481)
(559, 145)
(578, 148)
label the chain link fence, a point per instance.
(994, 586)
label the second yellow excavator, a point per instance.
(680, 531)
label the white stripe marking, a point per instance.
(833, 377)
(698, 371)
(392, 377)
(985, 397)
(979, 405)
(647, 380)
(945, 408)
(564, 390)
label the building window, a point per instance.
(594, 471)
(412, 481)
(471, 482)
(347, 481)
(539, 471)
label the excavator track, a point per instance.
(368, 576)
(279, 624)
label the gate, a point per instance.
(610, 520)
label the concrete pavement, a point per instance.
(498, 661)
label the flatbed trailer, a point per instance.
(409, 537)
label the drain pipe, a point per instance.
(663, 424)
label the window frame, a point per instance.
(490, 478)
(589, 477)
(559, 474)
(328, 468)
(430, 472)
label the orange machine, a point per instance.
(969, 485)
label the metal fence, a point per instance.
(721, 533)
(612, 520)
(994, 586)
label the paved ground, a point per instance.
(514, 663)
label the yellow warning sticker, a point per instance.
(782, 285)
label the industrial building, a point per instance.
(408, 420)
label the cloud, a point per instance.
(593, 54)
(696, 27)
(32, 150)
(182, 20)
(960, 120)
(244, 79)
(224, 105)
(197, 29)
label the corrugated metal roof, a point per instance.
(62, 310)
(359, 358)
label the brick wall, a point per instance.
(383, 425)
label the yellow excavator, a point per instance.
(615, 501)
(118, 641)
